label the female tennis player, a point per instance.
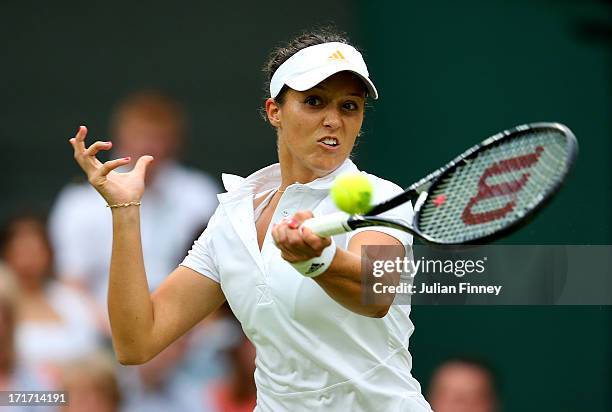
(297, 296)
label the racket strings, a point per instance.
(499, 185)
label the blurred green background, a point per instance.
(449, 74)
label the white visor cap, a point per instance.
(311, 65)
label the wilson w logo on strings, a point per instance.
(487, 191)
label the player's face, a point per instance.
(317, 128)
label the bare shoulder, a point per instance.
(370, 238)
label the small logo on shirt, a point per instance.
(263, 296)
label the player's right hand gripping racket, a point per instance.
(483, 194)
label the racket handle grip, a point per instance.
(329, 225)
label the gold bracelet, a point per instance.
(124, 204)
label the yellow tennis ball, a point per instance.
(352, 193)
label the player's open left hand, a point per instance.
(298, 243)
(113, 186)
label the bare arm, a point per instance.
(142, 324)
(342, 281)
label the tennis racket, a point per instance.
(483, 194)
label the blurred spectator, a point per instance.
(55, 323)
(176, 199)
(91, 385)
(9, 296)
(160, 386)
(237, 392)
(463, 385)
(14, 375)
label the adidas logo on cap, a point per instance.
(337, 55)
